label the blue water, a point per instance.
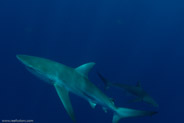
(130, 41)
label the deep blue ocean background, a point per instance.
(130, 41)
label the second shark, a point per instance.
(137, 90)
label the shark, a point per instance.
(138, 91)
(75, 80)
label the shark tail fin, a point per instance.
(126, 113)
(104, 80)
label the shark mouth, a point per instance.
(33, 71)
(40, 75)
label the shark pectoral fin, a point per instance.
(92, 104)
(135, 100)
(85, 68)
(63, 95)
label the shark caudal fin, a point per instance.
(126, 113)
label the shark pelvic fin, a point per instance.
(105, 109)
(64, 97)
(85, 68)
(92, 104)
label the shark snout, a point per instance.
(24, 59)
(21, 57)
(28, 61)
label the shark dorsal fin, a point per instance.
(138, 84)
(85, 68)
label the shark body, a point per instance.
(137, 90)
(66, 79)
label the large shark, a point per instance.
(137, 90)
(66, 79)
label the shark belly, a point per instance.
(86, 90)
